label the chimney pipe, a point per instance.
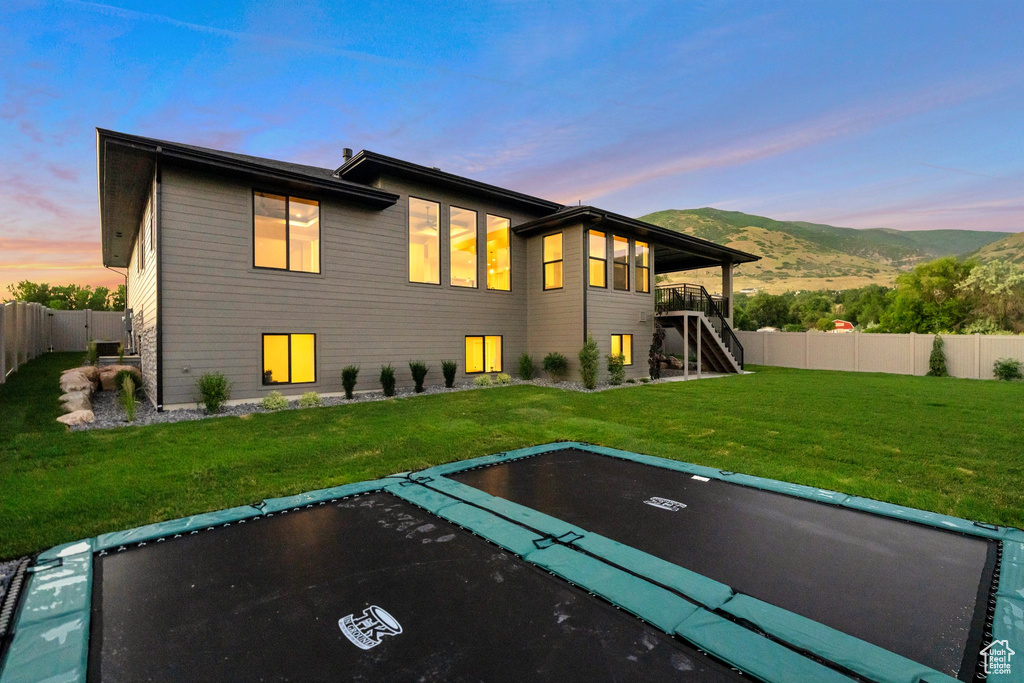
(346, 153)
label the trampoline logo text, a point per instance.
(997, 657)
(665, 504)
(367, 630)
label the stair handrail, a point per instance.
(692, 297)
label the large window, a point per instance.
(622, 344)
(553, 261)
(462, 242)
(598, 250)
(286, 233)
(424, 241)
(620, 246)
(499, 253)
(289, 358)
(642, 265)
(483, 354)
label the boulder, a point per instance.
(76, 418)
(674, 363)
(75, 381)
(76, 400)
(108, 375)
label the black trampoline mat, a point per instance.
(261, 601)
(911, 589)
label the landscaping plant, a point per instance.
(214, 391)
(483, 381)
(556, 365)
(120, 377)
(937, 361)
(387, 379)
(616, 369)
(589, 356)
(129, 403)
(275, 400)
(1007, 369)
(448, 368)
(120, 352)
(92, 356)
(310, 399)
(504, 378)
(349, 375)
(419, 371)
(657, 349)
(526, 368)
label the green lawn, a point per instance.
(947, 445)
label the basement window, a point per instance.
(483, 354)
(286, 233)
(289, 358)
(622, 344)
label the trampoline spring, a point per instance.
(140, 544)
(194, 532)
(121, 548)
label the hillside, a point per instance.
(799, 255)
(1010, 248)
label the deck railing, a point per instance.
(689, 297)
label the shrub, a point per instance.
(120, 377)
(655, 354)
(419, 371)
(589, 356)
(616, 369)
(349, 375)
(120, 352)
(556, 365)
(127, 397)
(526, 368)
(645, 380)
(448, 368)
(483, 381)
(214, 391)
(274, 401)
(504, 378)
(1007, 369)
(631, 381)
(387, 379)
(92, 356)
(937, 361)
(310, 399)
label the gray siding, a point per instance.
(142, 296)
(361, 306)
(555, 317)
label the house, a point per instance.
(842, 326)
(280, 274)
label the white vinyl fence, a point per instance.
(28, 330)
(970, 356)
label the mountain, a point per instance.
(800, 255)
(1010, 248)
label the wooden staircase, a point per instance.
(700, 322)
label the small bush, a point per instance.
(129, 403)
(1007, 369)
(214, 391)
(122, 375)
(616, 369)
(448, 368)
(644, 380)
(526, 369)
(504, 378)
(589, 356)
(630, 381)
(349, 375)
(937, 361)
(310, 399)
(655, 354)
(387, 380)
(556, 365)
(120, 352)
(92, 356)
(419, 371)
(274, 401)
(483, 381)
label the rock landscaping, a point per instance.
(79, 386)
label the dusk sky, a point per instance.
(892, 114)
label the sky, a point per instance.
(906, 115)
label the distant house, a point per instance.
(842, 326)
(749, 290)
(768, 329)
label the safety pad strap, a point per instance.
(149, 532)
(708, 592)
(1008, 632)
(511, 537)
(753, 653)
(460, 465)
(854, 654)
(320, 496)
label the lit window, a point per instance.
(553, 261)
(620, 246)
(622, 344)
(642, 263)
(483, 354)
(462, 241)
(499, 262)
(424, 242)
(598, 251)
(286, 233)
(289, 358)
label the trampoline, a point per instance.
(559, 562)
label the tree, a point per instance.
(996, 294)
(864, 306)
(770, 310)
(68, 297)
(810, 307)
(937, 360)
(926, 299)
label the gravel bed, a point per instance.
(109, 415)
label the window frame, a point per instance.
(408, 238)
(288, 233)
(621, 336)
(483, 339)
(476, 245)
(616, 264)
(544, 265)
(508, 232)
(645, 269)
(263, 356)
(591, 257)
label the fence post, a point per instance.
(88, 326)
(977, 353)
(807, 349)
(764, 347)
